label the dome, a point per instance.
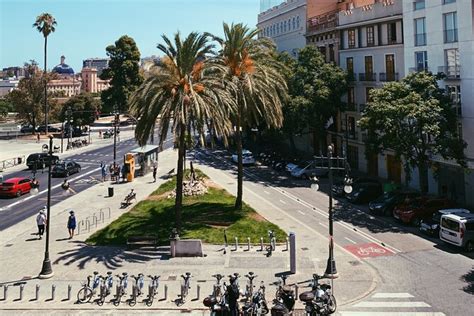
(63, 68)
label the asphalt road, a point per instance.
(425, 272)
(14, 210)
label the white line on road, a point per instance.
(266, 192)
(390, 314)
(282, 202)
(302, 213)
(392, 295)
(391, 304)
(324, 225)
(350, 240)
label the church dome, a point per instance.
(63, 68)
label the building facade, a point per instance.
(91, 83)
(285, 24)
(439, 38)
(8, 85)
(98, 63)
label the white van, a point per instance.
(458, 229)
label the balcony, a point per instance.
(323, 22)
(390, 76)
(367, 76)
(420, 39)
(451, 36)
(451, 72)
(351, 77)
(418, 69)
(378, 10)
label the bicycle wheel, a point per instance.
(84, 295)
(150, 299)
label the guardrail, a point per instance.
(11, 162)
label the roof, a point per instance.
(145, 149)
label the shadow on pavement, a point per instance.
(469, 279)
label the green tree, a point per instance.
(182, 90)
(123, 72)
(253, 76)
(415, 118)
(5, 107)
(84, 108)
(45, 24)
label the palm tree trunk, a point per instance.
(179, 178)
(240, 170)
(45, 87)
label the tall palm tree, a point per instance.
(255, 81)
(181, 87)
(45, 24)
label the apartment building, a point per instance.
(371, 50)
(439, 38)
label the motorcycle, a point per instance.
(284, 301)
(224, 303)
(320, 300)
(258, 304)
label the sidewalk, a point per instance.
(22, 255)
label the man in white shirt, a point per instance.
(41, 222)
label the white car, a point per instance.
(247, 157)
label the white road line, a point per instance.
(392, 295)
(282, 202)
(302, 213)
(390, 314)
(350, 240)
(324, 225)
(391, 304)
(266, 192)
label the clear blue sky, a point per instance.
(86, 27)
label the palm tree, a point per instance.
(255, 81)
(45, 24)
(183, 90)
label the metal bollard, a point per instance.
(198, 289)
(261, 243)
(5, 292)
(296, 292)
(273, 243)
(53, 291)
(248, 243)
(69, 288)
(287, 243)
(166, 292)
(22, 287)
(236, 243)
(37, 292)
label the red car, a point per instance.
(413, 211)
(15, 186)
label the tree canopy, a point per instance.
(123, 72)
(84, 109)
(414, 118)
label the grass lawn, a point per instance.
(204, 217)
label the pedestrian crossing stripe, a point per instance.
(391, 304)
(392, 295)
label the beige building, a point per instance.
(91, 82)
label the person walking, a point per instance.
(71, 224)
(103, 168)
(41, 223)
(37, 138)
(155, 169)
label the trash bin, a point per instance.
(111, 191)
(19, 160)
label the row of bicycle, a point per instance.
(225, 296)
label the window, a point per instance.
(421, 61)
(448, 1)
(351, 38)
(450, 27)
(452, 68)
(298, 22)
(331, 53)
(370, 35)
(351, 126)
(420, 32)
(350, 98)
(369, 67)
(284, 27)
(449, 224)
(392, 33)
(294, 23)
(350, 65)
(289, 25)
(390, 67)
(418, 4)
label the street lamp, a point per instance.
(116, 120)
(47, 271)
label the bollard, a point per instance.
(53, 291)
(261, 243)
(37, 292)
(88, 225)
(248, 243)
(166, 292)
(22, 287)
(236, 243)
(198, 289)
(5, 292)
(273, 243)
(296, 292)
(287, 243)
(69, 288)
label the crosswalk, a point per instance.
(390, 304)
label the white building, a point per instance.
(285, 24)
(372, 51)
(8, 85)
(439, 37)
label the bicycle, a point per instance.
(105, 287)
(152, 289)
(86, 293)
(269, 249)
(136, 289)
(185, 286)
(284, 300)
(249, 287)
(213, 301)
(258, 304)
(121, 288)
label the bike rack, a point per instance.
(166, 292)
(69, 288)
(37, 291)
(53, 291)
(248, 243)
(5, 292)
(287, 244)
(198, 289)
(22, 287)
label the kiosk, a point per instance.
(143, 158)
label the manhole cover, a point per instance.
(304, 248)
(172, 278)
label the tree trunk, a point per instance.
(179, 178)
(240, 169)
(45, 87)
(423, 177)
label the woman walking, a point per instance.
(71, 224)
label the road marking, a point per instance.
(392, 304)
(392, 295)
(302, 213)
(342, 313)
(282, 202)
(266, 192)
(324, 225)
(350, 240)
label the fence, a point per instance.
(11, 162)
(92, 221)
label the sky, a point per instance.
(86, 27)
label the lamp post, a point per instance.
(116, 119)
(47, 271)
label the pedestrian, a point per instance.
(100, 133)
(71, 224)
(37, 138)
(41, 223)
(103, 169)
(155, 168)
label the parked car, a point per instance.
(27, 129)
(365, 192)
(431, 225)
(338, 186)
(65, 168)
(385, 204)
(40, 160)
(75, 132)
(15, 186)
(415, 210)
(458, 230)
(51, 129)
(308, 170)
(247, 157)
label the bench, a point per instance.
(128, 199)
(141, 241)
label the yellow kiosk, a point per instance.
(129, 161)
(139, 161)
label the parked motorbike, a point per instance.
(258, 304)
(320, 300)
(284, 301)
(224, 303)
